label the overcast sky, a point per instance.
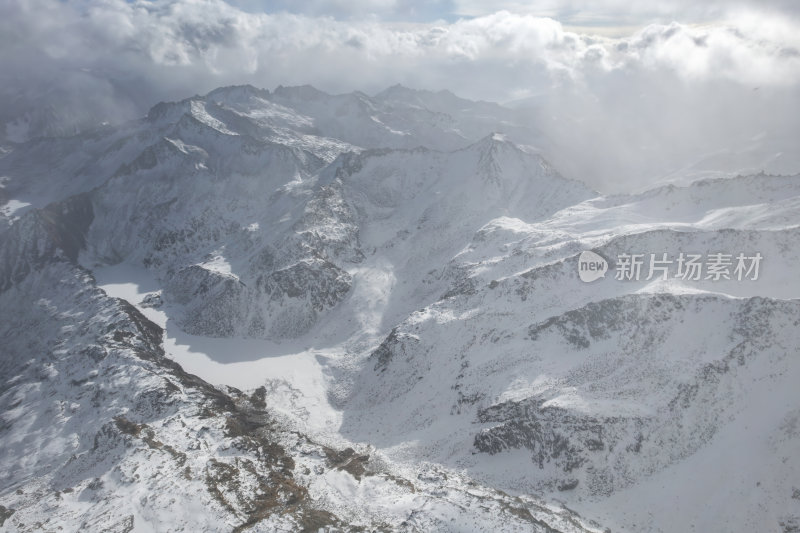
(600, 13)
(498, 53)
(608, 64)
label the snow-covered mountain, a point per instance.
(348, 311)
(594, 391)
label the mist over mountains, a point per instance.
(624, 99)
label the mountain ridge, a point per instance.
(400, 281)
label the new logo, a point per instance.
(591, 266)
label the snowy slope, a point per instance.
(101, 431)
(587, 391)
(380, 299)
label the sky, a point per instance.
(569, 12)
(604, 75)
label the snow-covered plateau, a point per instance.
(293, 311)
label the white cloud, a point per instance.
(601, 13)
(114, 58)
(217, 43)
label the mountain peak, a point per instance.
(491, 142)
(170, 111)
(300, 92)
(396, 90)
(423, 97)
(237, 92)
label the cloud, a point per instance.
(112, 59)
(601, 13)
(406, 10)
(213, 41)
